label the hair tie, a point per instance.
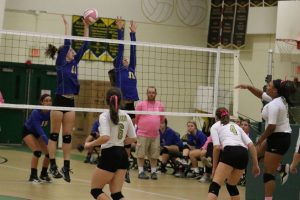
(223, 113)
(114, 97)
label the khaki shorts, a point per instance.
(149, 147)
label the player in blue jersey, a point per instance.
(125, 77)
(67, 87)
(170, 145)
(36, 139)
(93, 136)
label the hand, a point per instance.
(132, 27)
(87, 145)
(242, 86)
(120, 23)
(255, 170)
(293, 168)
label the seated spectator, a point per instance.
(192, 150)
(170, 144)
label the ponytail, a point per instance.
(285, 88)
(51, 51)
(223, 115)
(113, 99)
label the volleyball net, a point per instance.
(187, 79)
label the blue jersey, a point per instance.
(95, 127)
(125, 77)
(67, 72)
(169, 137)
(36, 121)
(197, 140)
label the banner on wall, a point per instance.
(103, 28)
(240, 24)
(228, 23)
(214, 30)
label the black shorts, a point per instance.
(26, 132)
(129, 106)
(113, 158)
(278, 143)
(235, 156)
(62, 101)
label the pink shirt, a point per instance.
(148, 125)
(209, 139)
(1, 98)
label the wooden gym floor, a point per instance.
(14, 183)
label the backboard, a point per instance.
(287, 28)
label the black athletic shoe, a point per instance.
(66, 174)
(127, 177)
(45, 178)
(55, 173)
(34, 180)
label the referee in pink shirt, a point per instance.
(148, 137)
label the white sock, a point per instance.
(196, 170)
(153, 169)
(141, 169)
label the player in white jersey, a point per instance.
(296, 158)
(113, 163)
(275, 140)
(233, 161)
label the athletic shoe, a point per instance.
(45, 178)
(87, 159)
(162, 170)
(207, 162)
(205, 178)
(183, 161)
(55, 173)
(154, 176)
(127, 177)
(179, 174)
(143, 175)
(34, 180)
(193, 175)
(284, 173)
(66, 174)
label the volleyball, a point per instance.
(90, 16)
(192, 12)
(157, 10)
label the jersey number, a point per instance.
(131, 75)
(120, 131)
(74, 70)
(44, 123)
(233, 130)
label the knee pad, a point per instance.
(164, 151)
(54, 137)
(117, 196)
(37, 154)
(47, 155)
(268, 177)
(214, 188)
(67, 139)
(95, 192)
(232, 189)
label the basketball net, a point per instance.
(287, 47)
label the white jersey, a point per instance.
(118, 132)
(229, 135)
(276, 112)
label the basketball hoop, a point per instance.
(287, 46)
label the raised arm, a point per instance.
(61, 57)
(257, 92)
(119, 58)
(132, 28)
(67, 30)
(85, 44)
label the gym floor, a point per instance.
(15, 171)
